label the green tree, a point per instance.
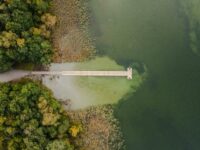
(5, 62)
(59, 145)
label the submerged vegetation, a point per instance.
(192, 10)
(32, 119)
(25, 29)
(71, 38)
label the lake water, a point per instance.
(90, 91)
(164, 113)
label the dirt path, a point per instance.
(13, 75)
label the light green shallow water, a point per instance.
(90, 91)
(164, 113)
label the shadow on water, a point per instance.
(164, 113)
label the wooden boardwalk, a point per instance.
(127, 73)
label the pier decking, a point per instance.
(127, 73)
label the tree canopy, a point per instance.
(25, 28)
(32, 119)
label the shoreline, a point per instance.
(73, 44)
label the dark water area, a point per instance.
(164, 114)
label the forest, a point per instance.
(32, 119)
(25, 29)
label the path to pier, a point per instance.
(13, 75)
(127, 73)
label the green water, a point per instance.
(164, 113)
(90, 91)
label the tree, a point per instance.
(4, 17)
(40, 6)
(7, 39)
(5, 62)
(23, 18)
(49, 20)
(59, 145)
(39, 50)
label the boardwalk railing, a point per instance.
(127, 73)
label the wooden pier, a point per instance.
(127, 73)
